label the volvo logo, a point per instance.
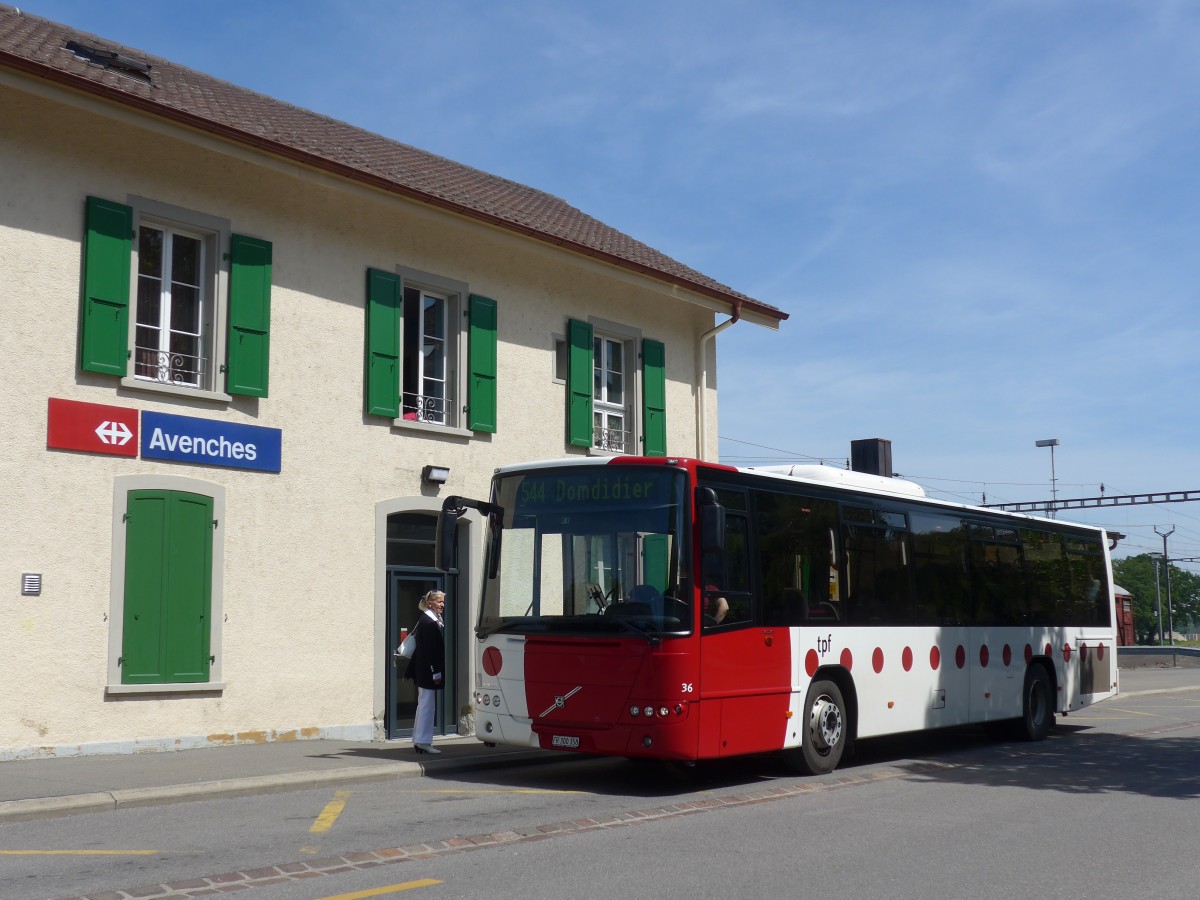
(561, 700)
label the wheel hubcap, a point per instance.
(825, 724)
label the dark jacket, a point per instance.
(430, 655)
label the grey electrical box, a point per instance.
(31, 585)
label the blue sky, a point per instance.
(981, 216)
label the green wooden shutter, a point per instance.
(580, 366)
(146, 539)
(381, 367)
(481, 393)
(168, 588)
(248, 356)
(654, 398)
(186, 625)
(104, 311)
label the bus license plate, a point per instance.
(563, 740)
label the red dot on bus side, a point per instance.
(493, 662)
(906, 659)
(983, 655)
(1049, 650)
(1083, 651)
(935, 658)
(847, 659)
(1099, 651)
(1028, 652)
(1066, 652)
(811, 663)
(960, 656)
(877, 660)
(1007, 654)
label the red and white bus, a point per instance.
(675, 609)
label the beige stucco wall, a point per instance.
(302, 636)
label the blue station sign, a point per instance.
(211, 443)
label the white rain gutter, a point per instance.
(702, 381)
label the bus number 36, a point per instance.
(686, 687)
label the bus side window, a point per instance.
(878, 574)
(727, 577)
(797, 560)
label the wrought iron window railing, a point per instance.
(180, 369)
(419, 408)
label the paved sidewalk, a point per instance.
(37, 788)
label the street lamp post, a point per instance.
(1051, 443)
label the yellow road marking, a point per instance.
(329, 814)
(79, 852)
(386, 889)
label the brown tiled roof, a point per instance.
(157, 86)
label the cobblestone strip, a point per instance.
(229, 882)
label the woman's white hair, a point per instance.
(424, 604)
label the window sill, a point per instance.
(426, 428)
(190, 687)
(155, 387)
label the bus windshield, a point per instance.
(589, 550)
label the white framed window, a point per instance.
(427, 390)
(612, 415)
(180, 285)
(173, 315)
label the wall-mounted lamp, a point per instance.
(435, 474)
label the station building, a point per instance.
(248, 351)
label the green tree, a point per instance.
(1136, 575)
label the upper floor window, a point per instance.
(421, 366)
(610, 416)
(427, 393)
(173, 339)
(608, 409)
(195, 318)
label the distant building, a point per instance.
(248, 349)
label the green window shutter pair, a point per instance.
(580, 363)
(381, 375)
(104, 311)
(166, 628)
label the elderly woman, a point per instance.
(427, 667)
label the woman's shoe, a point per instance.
(426, 748)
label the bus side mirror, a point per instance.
(712, 521)
(445, 547)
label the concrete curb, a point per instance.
(107, 801)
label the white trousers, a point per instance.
(423, 724)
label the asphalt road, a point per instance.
(1107, 806)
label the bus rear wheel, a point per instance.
(824, 730)
(1037, 710)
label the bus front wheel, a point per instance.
(824, 736)
(1037, 710)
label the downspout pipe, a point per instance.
(702, 381)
